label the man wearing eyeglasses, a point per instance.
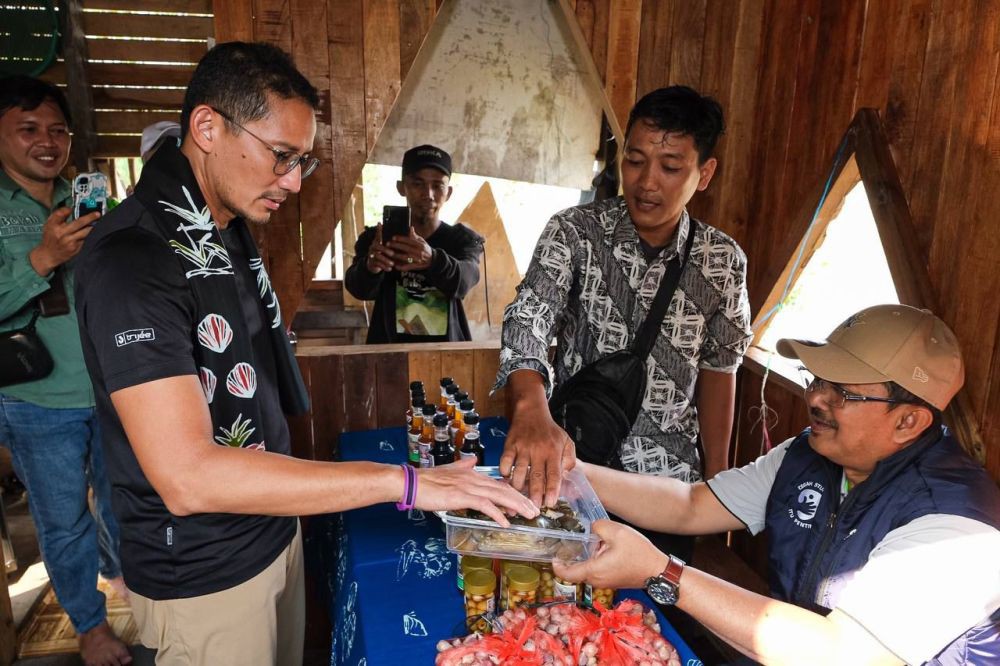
(884, 535)
(193, 375)
(417, 269)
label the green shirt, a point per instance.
(21, 221)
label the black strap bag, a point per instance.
(23, 356)
(598, 405)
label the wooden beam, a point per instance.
(162, 26)
(78, 93)
(171, 6)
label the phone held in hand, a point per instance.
(395, 222)
(90, 194)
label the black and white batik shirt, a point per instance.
(590, 285)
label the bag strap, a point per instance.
(668, 285)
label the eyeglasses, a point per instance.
(285, 160)
(836, 395)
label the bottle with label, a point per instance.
(413, 434)
(443, 452)
(457, 424)
(471, 444)
(563, 590)
(480, 586)
(410, 411)
(445, 383)
(426, 440)
(450, 404)
(522, 586)
(467, 563)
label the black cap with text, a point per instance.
(426, 156)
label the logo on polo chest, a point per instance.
(806, 503)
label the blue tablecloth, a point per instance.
(395, 595)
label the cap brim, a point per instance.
(830, 362)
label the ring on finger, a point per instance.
(409, 260)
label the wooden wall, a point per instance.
(790, 77)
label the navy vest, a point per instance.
(816, 544)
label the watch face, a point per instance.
(662, 591)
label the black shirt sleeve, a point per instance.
(360, 282)
(136, 308)
(454, 266)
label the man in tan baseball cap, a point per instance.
(883, 534)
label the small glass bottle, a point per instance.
(457, 424)
(522, 586)
(413, 434)
(426, 440)
(563, 590)
(443, 452)
(450, 404)
(467, 563)
(472, 446)
(480, 586)
(546, 581)
(410, 411)
(445, 383)
(597, 595)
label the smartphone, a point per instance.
(90, 194)
(395, 222)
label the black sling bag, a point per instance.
(598, 405)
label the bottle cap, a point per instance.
(416, 386)
(522, 578)
(473, 562)
(429, 410)
(440, 420)
(460, 396)
(467, 405)
(472, 418)
(418, 402)
(445, 381)
(451, 389)
(480, 581)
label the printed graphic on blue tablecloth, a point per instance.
(385, 445)
(349, 621)
(412, 626)
(431, 561)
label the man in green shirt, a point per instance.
(49, 424)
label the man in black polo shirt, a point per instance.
(192, 370)
(419, 271)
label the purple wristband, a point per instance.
(409, 488)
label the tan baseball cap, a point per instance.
(884, 343)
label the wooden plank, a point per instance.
(486, 362)
(132, 122)
(127, 74)
(107, 97)
(233, 20)
(935, 111)
(188, 53)
(273, 23)
(300, 426)
(688, 27)
(171, 6)
(881, 34)
(425, 366)
(381, 58)
(600, 39)
(901, 107)
(458, 364)
(117, 146)
(326, 383)
(160, 26)
(78, 79)
(415, 20)
(392, 381)
(347, 102)
(623, 50)
(360, 397)
(654, 47)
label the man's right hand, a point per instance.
(380, 257)
(537, 450)
(61, 240)
(457, 486)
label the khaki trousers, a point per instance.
(259, 622)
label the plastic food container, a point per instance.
(485, 538)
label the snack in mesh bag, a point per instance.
(565, 634)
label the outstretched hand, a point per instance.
(536, 453)
(457, 486)
(625, 559)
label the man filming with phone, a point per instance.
(416, 268)
(47, 419)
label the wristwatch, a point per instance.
(665, 588)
